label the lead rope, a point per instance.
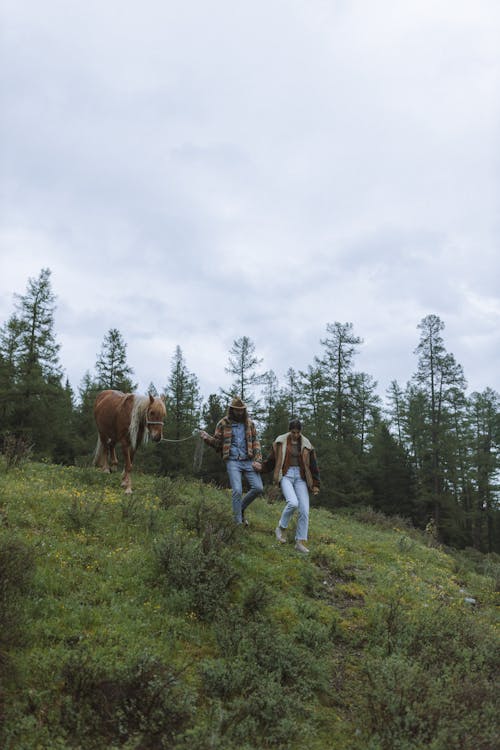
(198, 448)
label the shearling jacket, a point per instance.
(278, 460)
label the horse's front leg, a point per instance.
(128, 456)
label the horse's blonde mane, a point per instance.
(138, 420)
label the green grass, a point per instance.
(148, 621)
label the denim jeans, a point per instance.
(296, 494)
(235, 472)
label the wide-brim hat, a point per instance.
(237, 403)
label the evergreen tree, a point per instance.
(85, 428)
(275, 413)
(111, 366)
(213, 469)
(484, 415)
(243, 364)
(36, 353)
(8, 374)
(183, 402)
(365, 408)
(340, 346)
(437, 378)
(30, 368)
(395, 410)
(291, 392)
(390, 475)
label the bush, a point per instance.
(210, 522)
(199, 569)
(263, 680)
(16, 449)
(167, 492)
(144, 700)
(430, 680)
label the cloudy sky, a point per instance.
(193, 172)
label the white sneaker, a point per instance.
(300, 548)
(279, 535)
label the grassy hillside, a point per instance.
(149, 621)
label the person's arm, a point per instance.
(215, 440)
(256, 450)
(270, 462)
(313, 465)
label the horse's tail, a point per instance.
(98, 452)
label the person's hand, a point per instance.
(315, 490)
(257, 466)
(204, 435)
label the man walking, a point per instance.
(236, 439)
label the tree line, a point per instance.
(429, 452)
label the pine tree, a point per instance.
(437, 378)
(395, 410)
(390, 475)
(213, 469)
(337, 364)
(275, 414)
(183, 402)
(291, 392)
(85, 427)
(243, 364)
(484, 415)
(37, 353)
(111, 366)
(31, 371)
(365, 408)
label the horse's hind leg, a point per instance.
(100, 454)
(102, 451)
(113, 458)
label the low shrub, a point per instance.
(16, 449)
(200, 569)
(430, 680)
(167, 492)
(262, 681)
(144, 700)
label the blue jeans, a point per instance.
(235, 472)
(297, 497)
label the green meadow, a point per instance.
(149, 621)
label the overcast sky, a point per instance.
(193, 172)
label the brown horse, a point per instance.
(129, 420)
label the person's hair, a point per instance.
(295, 424)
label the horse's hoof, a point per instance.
(128, 491)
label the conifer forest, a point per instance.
(428, 451)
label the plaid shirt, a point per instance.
(221, 439)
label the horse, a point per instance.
(130, 420)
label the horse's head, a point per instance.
(155, 415)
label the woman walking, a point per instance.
(293, 460)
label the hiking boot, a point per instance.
(300, 548)
(279, 535)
